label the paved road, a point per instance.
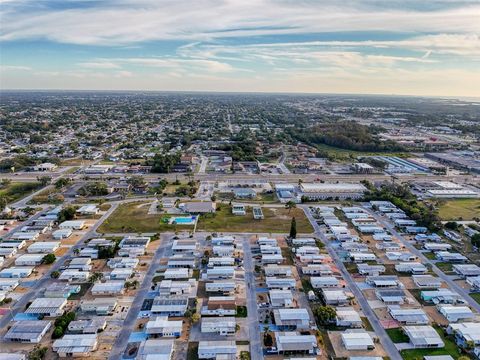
(268, 177)
(385, 340)
(256, 352)
(281, 164)
(128, 325)
(453, 286)
(23, 202)
(46, 280)
(203, 165)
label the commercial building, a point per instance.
(322, 191)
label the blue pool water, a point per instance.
(184, 220)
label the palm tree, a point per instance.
(290, 205)
(76, 251)
(96, 276)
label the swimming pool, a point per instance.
(184, 220)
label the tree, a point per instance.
(57, 332)
(290, 205)
(476, 240)
(49, 259)
(67, 213)
(96, 276)
(452, 225)
(136, 181)
(44, 180)
(76, 251)
(293, 228)
(5, 182)
(28, 210)
(62, 182)
(3, 203)
(55, 274)
(95, 188)
(324, 314)
(38, 353)
(267, 340)
(195, 317)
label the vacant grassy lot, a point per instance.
(133, 217)
(345, 153)
(465, 209)
(475, 296)
(17, 190)
(445, 266)
(397, 335)
(450, 349)
(277, 220)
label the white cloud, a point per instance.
(14, 68)
(99, 65)
(128, 22)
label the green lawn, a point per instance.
(465, 209)
(397, 335)
(277, 220)
(241, 311)
(475, 296)
(450, 349)
(444, 266)
(352, 153)
(133, 217)
(17, 190)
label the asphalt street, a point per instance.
(385, 340)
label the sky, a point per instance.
(404, 47)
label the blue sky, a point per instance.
(391, 47)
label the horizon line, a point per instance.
(462, 97)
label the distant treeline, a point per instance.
(348, 135)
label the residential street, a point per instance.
(128, 325)
(385, 340)
(454, 286)
(252, 319)
(42, 283)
